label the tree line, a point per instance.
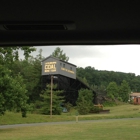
(102, 78)
(110, 84)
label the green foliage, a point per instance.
(83, 108)
(57, 99)
(19, 75)
(27, 50)
(120, 99)
(112, 90)
(124, 91)
(24, 111)
(84, 101)
(100, 90)
(30, 70)
(58, 53)
(102, 77)
(135, 84)
(2, 104)
(83, 80)
(109, 103)
(13, 91)
(96, 109)
(10, 54)
(68, 106)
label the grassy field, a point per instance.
(123, 111)
(105, 129)
(119, 129)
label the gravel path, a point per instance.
(62, 123)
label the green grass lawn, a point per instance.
(119, 129)
(121, 111)
(104, 129)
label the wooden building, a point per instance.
(64, 75)
(55, 66)
(135, 97)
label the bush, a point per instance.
(82, 108)
(120, 99)
(96, 108)
(31, 107)
(84, 101)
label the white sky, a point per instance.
(122, 58)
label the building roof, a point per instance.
(135, 94)
(58, 59)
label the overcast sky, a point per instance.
(122, 58)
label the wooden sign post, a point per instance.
(51, 96)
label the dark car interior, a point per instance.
(53, 22)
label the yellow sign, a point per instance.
(70, 71)
(50, 67)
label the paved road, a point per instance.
(62, 123)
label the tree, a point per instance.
(112, 90)
(103, 77)
(124, 91)
(84, 101)
(100, 90)
(27, 50)
(84, 80)
(12, 87)
(12, 92)
(31, 71)
(58, 53)
(56, 100)
(135, 84)
(10, 54)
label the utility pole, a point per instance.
(51, 96)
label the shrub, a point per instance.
(96, 109)
(109, 103)
(84, 101)
(82, 108)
